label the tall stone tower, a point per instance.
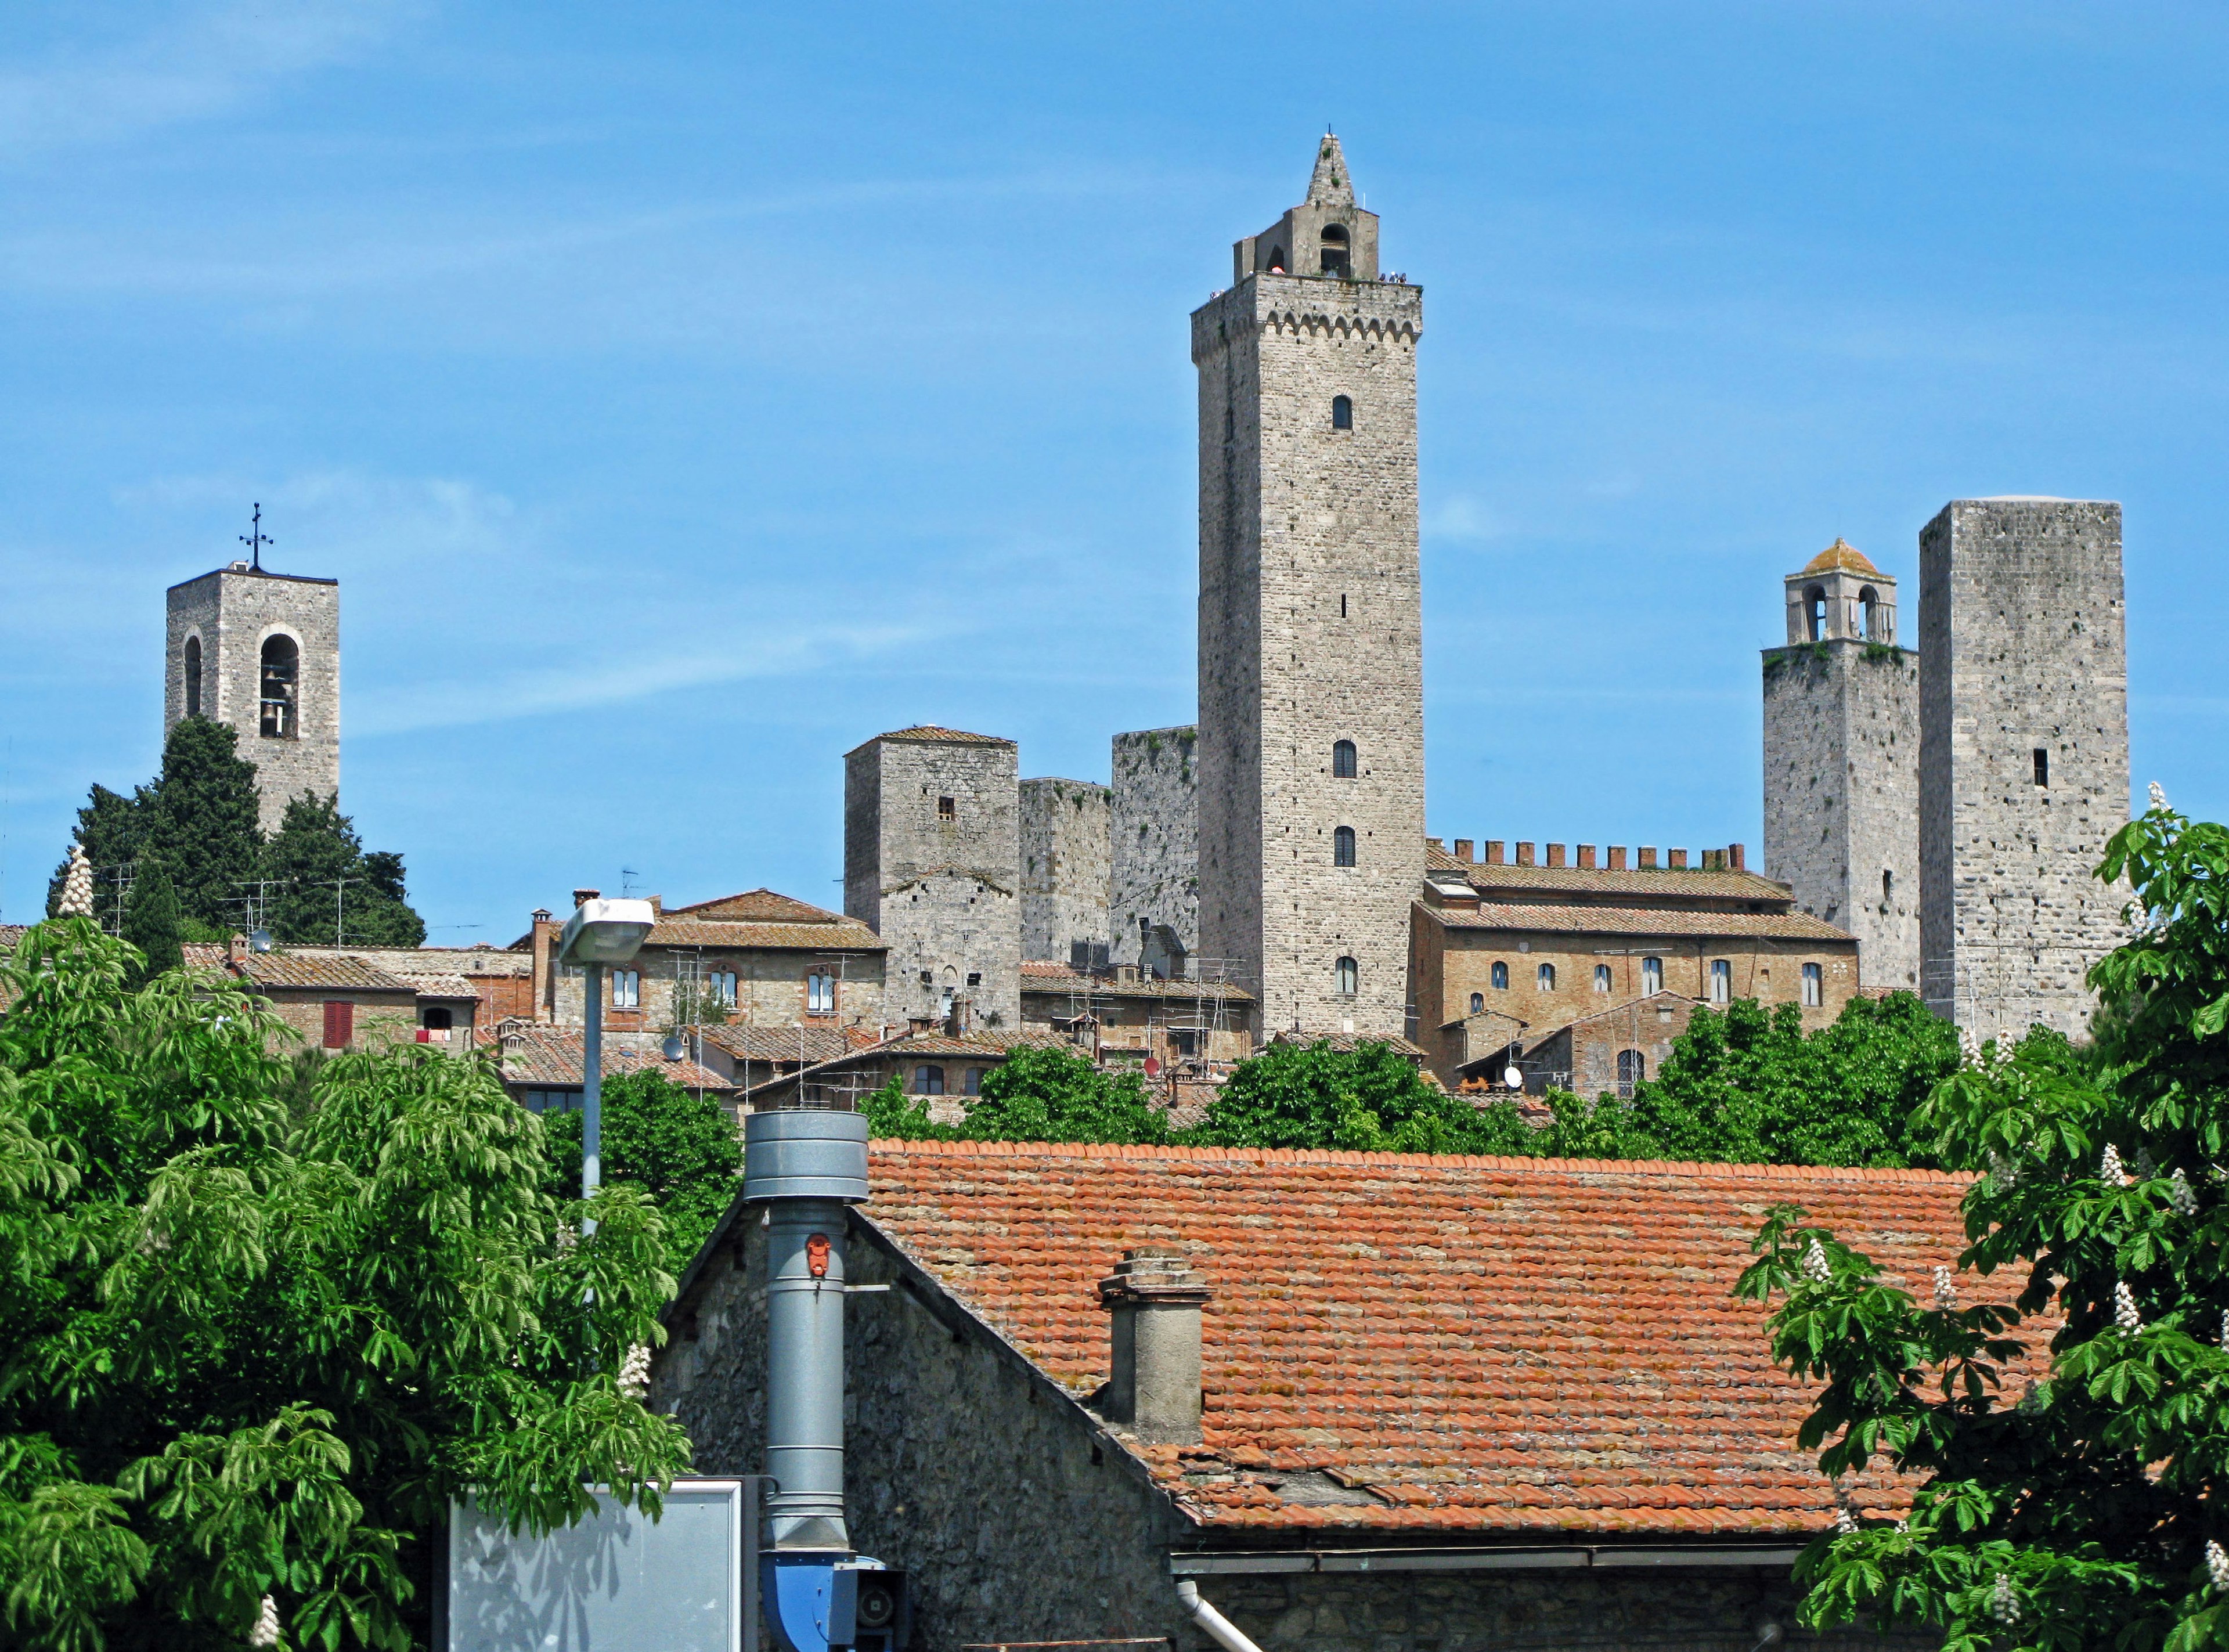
(1311, 652)
(261, 652)
(1154, 888)
(1841, 762)
(2024, 758)
(1065, 852)
(932, 864)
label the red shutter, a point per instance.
(340, 1025)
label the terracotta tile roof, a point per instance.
(929, 732)
(1481, 1345)
(441, 986)
(10, 934)
(1050, 978)
(757, 906)
(971, 1043)
(549, 1055)
(844, 934)
(1632, 920)
(332, 969)
(773, 1043)
(1350, 1041)
(1654, 882)
(1842, 557)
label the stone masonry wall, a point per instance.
(1310, 633)
(2022, 649)
(1841, 794)
(1017, 1516)
(1156, 839)
(233, 612)
(943, 889)
(1065, 866)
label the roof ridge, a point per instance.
(1460, 1161)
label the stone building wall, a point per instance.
(2022, 651)
(1043, 1528)
(770, 987)
(1065, 866)
(231, 612)
(1156, 841)
(1310, 633)
(932, 864)
(1841, 794)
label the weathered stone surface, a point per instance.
(230, 614)
(1065, 866)
(2022, 652)
(1156, 841)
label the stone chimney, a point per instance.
(1524, 854)
(1555, 854)
(235, 951)
(581, 897)
(1494, 852)
(1463, 847)
(1155, 1299)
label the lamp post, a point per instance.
(598, 933)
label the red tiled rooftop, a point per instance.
(1487, 1345)
(1632, 920)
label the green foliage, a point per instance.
(1368, 1099)
(1035, 1095)
(680, 1148)
(151, 918)
(1749, 1086)
(2085, 1510)
(200, 821)
(243, 1356)
(330, 892)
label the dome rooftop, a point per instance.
(1842, 557)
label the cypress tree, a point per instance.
(200, 822)
(315, 849)
(151, 918)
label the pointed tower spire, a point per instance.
(1331, 186)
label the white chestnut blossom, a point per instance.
(1816, 1267)
(1946, 1293)
(265, 1632)
(2217, 1567)
(1845, 1522)
(635, 1373)
(2179, 1194)
(2124, 1309)
(2003, 1171)
(2108, 1167)
(2004, 1605)
(2158, 794)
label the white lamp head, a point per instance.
(605, 932)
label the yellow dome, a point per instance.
(1840, 556)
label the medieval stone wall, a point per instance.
(1065, 866)
(1310, 633)
(1841, 794)
(1156, 841)
(231, 613)
(2022, 652)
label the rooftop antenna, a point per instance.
(255, 538)
(627, 875)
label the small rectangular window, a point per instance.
(1814, 985)
(1722, 980)
(947, 809)
(724, 987)
(821, 994)
(1602, 978)
(2042, 766)
(1652, 974)
(627, 989)
(929, 1081)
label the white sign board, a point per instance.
(614, 1583)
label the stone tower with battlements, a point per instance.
(1841, 762)
(1311, 660)
(261, 652)
(932, 864)
(2024, 758)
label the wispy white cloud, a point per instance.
(200, 65)
(324, 517)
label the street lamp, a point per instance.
(598, 933)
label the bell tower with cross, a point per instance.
(261, 652)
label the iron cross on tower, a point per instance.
(255, 539)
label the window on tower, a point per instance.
(193, 677)
(1342, 759)
(1342, 413)
(1332, 257)
(1346, 977)
(1814, 611)
(1342, 846)
(1276, 260)
(2042, 766)
(1545, 976)
(282, 667)
(1477, 1003)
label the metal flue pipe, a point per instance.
(803, 1167)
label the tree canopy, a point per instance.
(2083, 1509)
(328, 891)
(1037, 1095)
(1368, 1099)
(243, 1357)
(679, 1147)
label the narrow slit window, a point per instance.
(2042, 766)
(1342, 761)
(1814, 985)
(1722, 980)
(193, 677)
(1652, 974)
(1342, 846)
(1342, 413)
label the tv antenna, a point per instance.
(255, 538)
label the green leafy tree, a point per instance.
(243, 1359)
(2085, 1510)
(151, 918)
(679, 1147)
(328, 891)
(1037, 1095)
(1368, 1099)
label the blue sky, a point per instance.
(683, 393)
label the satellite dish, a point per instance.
(1512, 1078)
(673, 1046)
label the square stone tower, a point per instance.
(932, 864)
(261, 652)
(1311, 653)
(1841, 762)
(2024, 758)
(1065, 867)
(1155, 902)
